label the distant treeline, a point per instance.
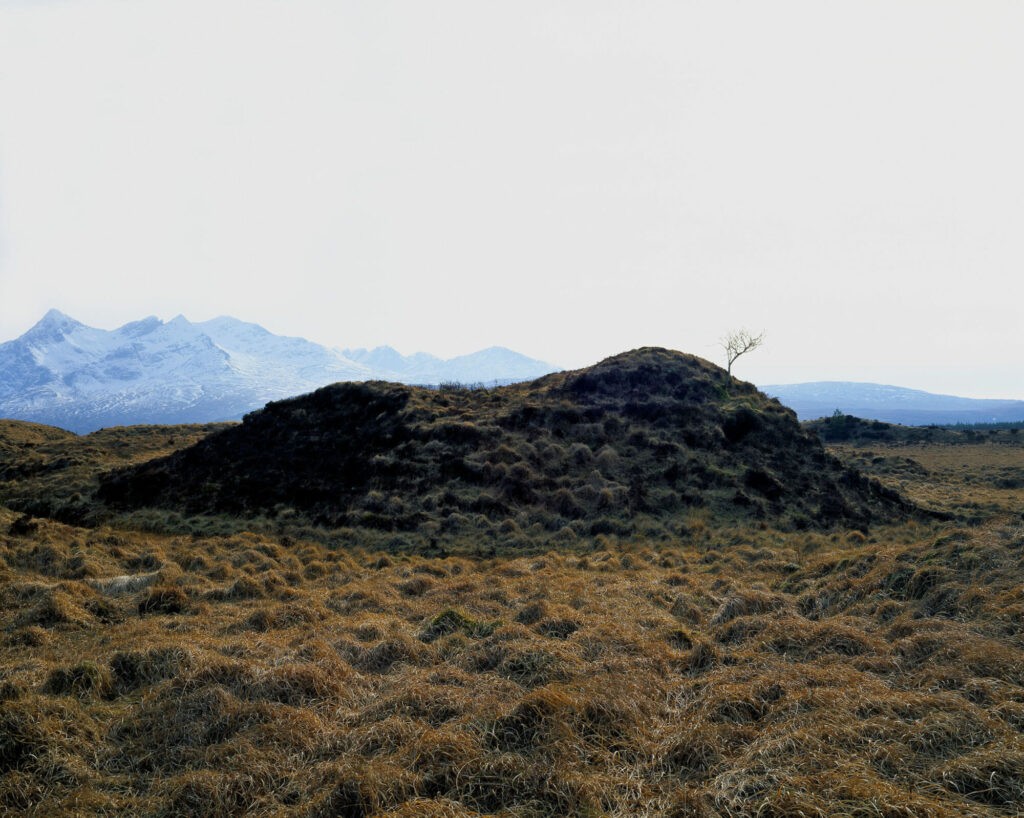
(841, 428)
(1013, 426)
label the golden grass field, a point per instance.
(733, 671)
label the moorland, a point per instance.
(637, 589)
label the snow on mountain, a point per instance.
(64, 373)
(293, 365)
(892, 404)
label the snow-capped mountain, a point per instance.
(892, 404)
(64, 373)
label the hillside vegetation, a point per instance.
(50, 472)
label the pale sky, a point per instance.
(569, 179)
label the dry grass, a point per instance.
(973, 481)
(745, 672)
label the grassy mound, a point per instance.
(631, 445)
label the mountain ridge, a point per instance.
(891, 404)
(64, 373)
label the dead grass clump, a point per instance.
(679, 638)
(357, 788)
(316, 569)
(701, 658)
(451, 621)
(20, 792)
(23, 526)
(1012, 713)
(164, 599)
(55, 606)
(947, 729)
(429, 808)
(539, 720)
(809, 640)
(295, 684)
(359, 597)
(987, 776)
(174, 730)
(374, 738)
(385, 655)
(281, 617)
(206, 794)
(248, 586)
(693, 750)
(737, 706)
(926, 579)
(417, 586)
(150, 560)
(532, 613)
(741, 629)
(520, 784)
(82, 680)
(35, 728)
(440, 756)
(196, 562)
(142, 668)
(57, 559)
(558, 628)
(686, 610)
(30, 636)
(533, 667)
(10, 690)
(747, 603)
(435, 705)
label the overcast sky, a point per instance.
(569, 179)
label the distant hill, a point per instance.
(640, 442)
(892, 404)
(64, 373)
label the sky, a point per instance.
(568, 179)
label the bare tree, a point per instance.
(739, 342)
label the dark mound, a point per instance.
(637, 440)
